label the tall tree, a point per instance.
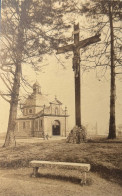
(112, 122)
(106, 17)
(24, 39)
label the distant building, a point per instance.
(41, 117)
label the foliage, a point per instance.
(30, 28)
(108, 15)
(25, 37)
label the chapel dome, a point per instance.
(36, 87)
(36, 84)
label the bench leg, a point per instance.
(83, 180)
(35, 172)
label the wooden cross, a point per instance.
(76, 65)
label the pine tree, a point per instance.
(26, 36)
(106, 15)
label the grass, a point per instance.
(105, 158)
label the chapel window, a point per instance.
(41, 123)
(30, 111)
(24, 125)
(36, 124)
(56, 111)
(26, 111)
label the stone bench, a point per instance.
(81, 167)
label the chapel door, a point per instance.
(56, 128)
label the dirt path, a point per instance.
(19, 183)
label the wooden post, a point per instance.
(76, 66)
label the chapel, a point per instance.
(41, 116)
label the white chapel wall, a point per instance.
(48, 123)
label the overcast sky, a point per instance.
(55, 80)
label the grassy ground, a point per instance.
(105, 158)
(17, 182)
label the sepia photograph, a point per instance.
(60, 97)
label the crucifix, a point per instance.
(75, 47)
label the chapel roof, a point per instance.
(56, 101)
(36, 98)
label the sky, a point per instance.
(59, 82)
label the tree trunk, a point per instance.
(10, 137)
(112, 122)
